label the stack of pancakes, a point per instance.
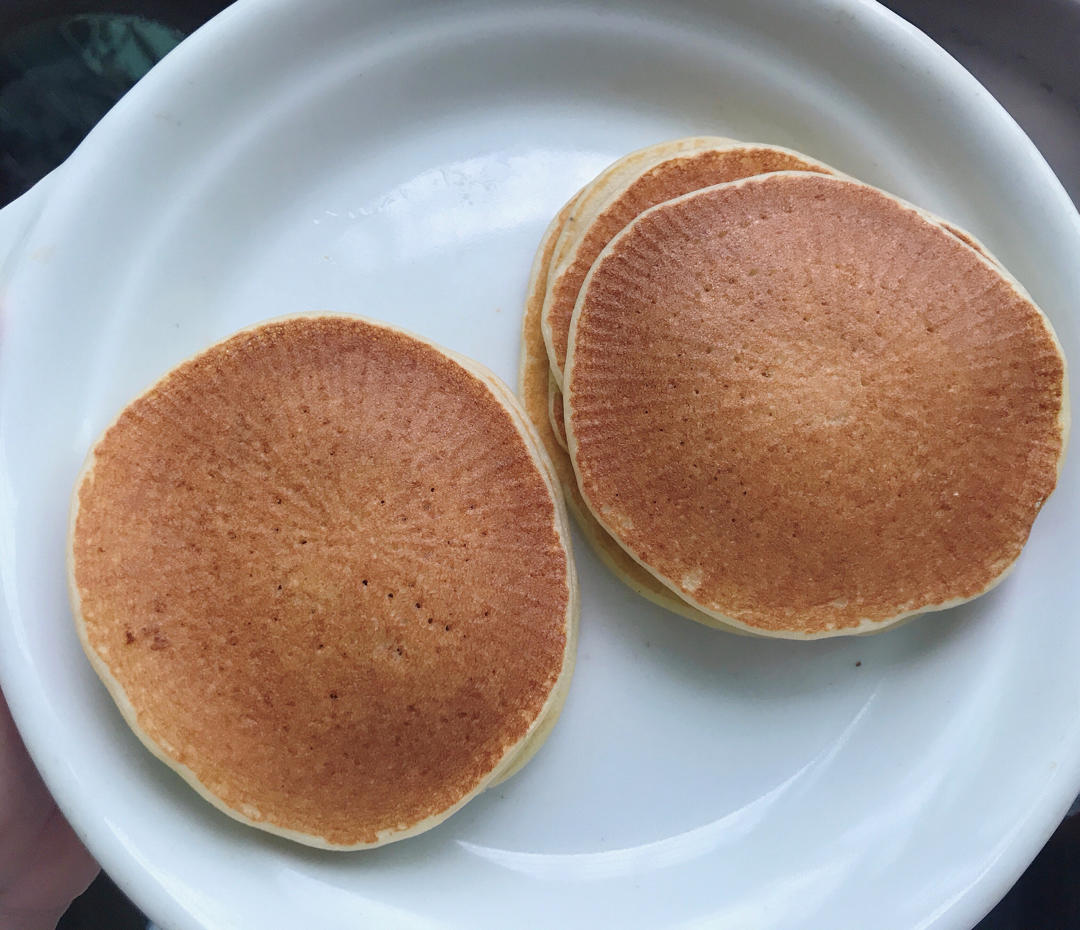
(781, 401)
(322, 567)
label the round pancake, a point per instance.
(623, 199)
(533, 375)
(323, 569)
(810, 410)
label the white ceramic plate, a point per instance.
(401, 161)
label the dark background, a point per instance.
(64, 63)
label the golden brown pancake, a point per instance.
(324, 571)
(533, 375)
(665, 178)
(810, 410)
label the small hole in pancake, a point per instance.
(277, 529)
(390, 596)
(303, 542)
(432, 490)
(277, 500)
(430, 619)
(279, 587)
(447, 628)
(322, 646)
(398, 650)
(364, 582)
(382, 502)
(417, 605)
(129, 637)
(333, 695)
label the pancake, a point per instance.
(323, 569)
(626, 196)
(810, 410)
(533, 375)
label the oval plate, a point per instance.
(401, 161)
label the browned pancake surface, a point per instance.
(323, 565)
(665, 181)
(806, 406)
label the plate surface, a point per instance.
(401, 162)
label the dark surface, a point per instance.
(103, 907)
(61, 69)
(58, 78)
